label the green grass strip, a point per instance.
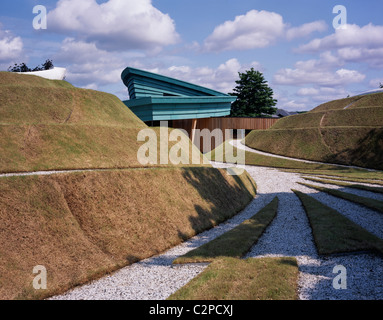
(348, 179)
(249, 279)
(348, 185)
(367, 202)
(333, 232)
(345, 174)
(256, 159)
(236, 242)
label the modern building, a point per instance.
(155, 98)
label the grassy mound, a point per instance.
(347, 131)
(47, 124)
(370, 100)
(82, 225)
(31, 100)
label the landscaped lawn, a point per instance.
(239, 279)
(333, 232)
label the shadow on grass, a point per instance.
(221, 208)
(367, 154)
(225, 200)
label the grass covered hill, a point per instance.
(83, 224)
(347, 131)
(46, 125)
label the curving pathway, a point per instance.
(288, 235)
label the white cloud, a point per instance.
(293, 105)
(325, 71)
(352, 44)
(11, 47)
(307, 92)
(89, 66)
(255, 29)
(322, 94)
(373, 57)
(374, 83)
(115, 24)
(319, 77)
(306, 29)
(369, 36)
(222, 78)
(307, 98)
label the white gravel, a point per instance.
(288, 235)
(156, 278)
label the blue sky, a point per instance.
(294, 43)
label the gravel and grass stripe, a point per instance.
(334, 233)
(348, 174)
(348, 185)
(236, 242)
(367, 202)
(349, 179)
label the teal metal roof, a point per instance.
(156, 97)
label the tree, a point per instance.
(254, 96)
(48, 64)
(22, 67)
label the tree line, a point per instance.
(22, 67)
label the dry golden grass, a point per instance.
(305, 120)
(295, 143)
(59, 147)
(51, 125)
(329, 133)
(357, 146)
(23, 80)
(82, 225)
(31, 100)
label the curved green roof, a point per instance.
(157, 97)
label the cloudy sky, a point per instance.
(305, 59)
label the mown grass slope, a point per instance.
(81, 225)
(46, 125)
(347, 131)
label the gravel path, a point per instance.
(156, 277)
(288, 235)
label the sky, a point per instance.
(309, 52)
